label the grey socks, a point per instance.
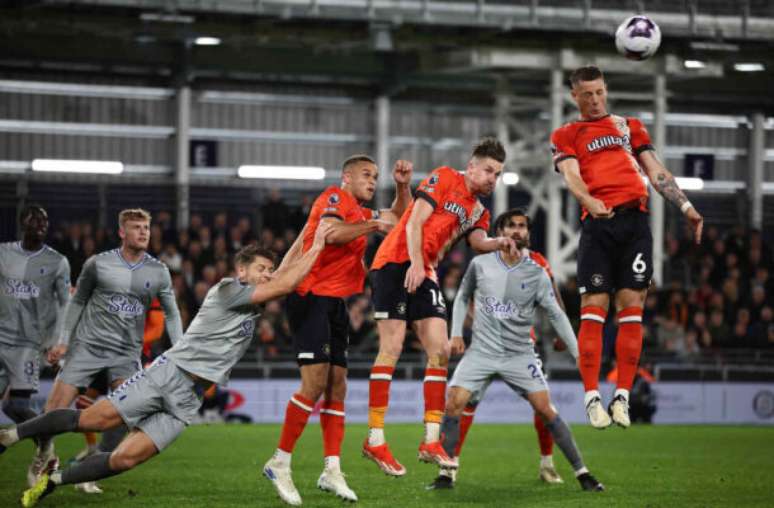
(450, 432)
(563, 438)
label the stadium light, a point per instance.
(689, 183)
(76, 166)
(282, 172)
(749, 67)
(694, 64)
(207, 41)
(510, 178)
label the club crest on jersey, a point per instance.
(246, 328)
(603, 142)
(21, 289)
(126, 306)
(42, 270)
(147, 284)
(433, 180)
(334, 199)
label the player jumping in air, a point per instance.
(35, 281)
(506, 288)
(406, 290)
(158, 402)
(602, 158)
(319, 320)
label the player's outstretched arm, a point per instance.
(482, 243)
(401, 174)
(663, 181)
(292, 273)
(415, 275)
(561, 324)
(460, 309)
(172, 320)
(570, 170)
(344, 232)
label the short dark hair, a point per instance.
(587, 73)
(358, 157)
(513, 212)
(490, 147)
(29, 209)
(248, 253)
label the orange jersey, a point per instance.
(455, 212)
(339, 270)
(607, 151)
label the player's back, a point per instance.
(220, 333)
(505, 301)
(28, 298)
(117, 295)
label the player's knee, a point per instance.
(455, 404)
(545, 412)
(121, 460)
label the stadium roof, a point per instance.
(418, 48)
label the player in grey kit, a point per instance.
(34, 289)
(506, 288)
(158, 402)
(103, 325)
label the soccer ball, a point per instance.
(638, 38)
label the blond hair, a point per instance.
(137, 214)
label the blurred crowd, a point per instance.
(714, 296)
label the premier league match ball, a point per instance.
(638, 38)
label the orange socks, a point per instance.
(544, 437)
(590, 345)
(296, 416)
(332, 423)
(379, 395)
(628, 345)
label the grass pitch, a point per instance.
(644, 466)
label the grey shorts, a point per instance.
(159, 400)
(83, 363)
(19, 368)
(523, 373)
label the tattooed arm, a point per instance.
(663, 181)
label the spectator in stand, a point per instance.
(699, 327)
(195, 223)
(235, 239)
(760, 330)
(718, 329)
(245, 228)
(275, 213)
(172, 258)
(740, 334)
(220, 224)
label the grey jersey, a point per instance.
(34, 289)
(506, 298)
(219, 334)
(111, 300)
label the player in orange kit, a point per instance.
(406, 290)
(602, 158)
(318, 316)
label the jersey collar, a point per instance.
(505, 265)
(135, 266)
(30, 253)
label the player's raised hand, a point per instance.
(598, 209)
(383, 226)
(402, 171)
(323, 230)
(507, 245)
(415, 275)
(696, 222)
(457, 345)
(56, 353)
